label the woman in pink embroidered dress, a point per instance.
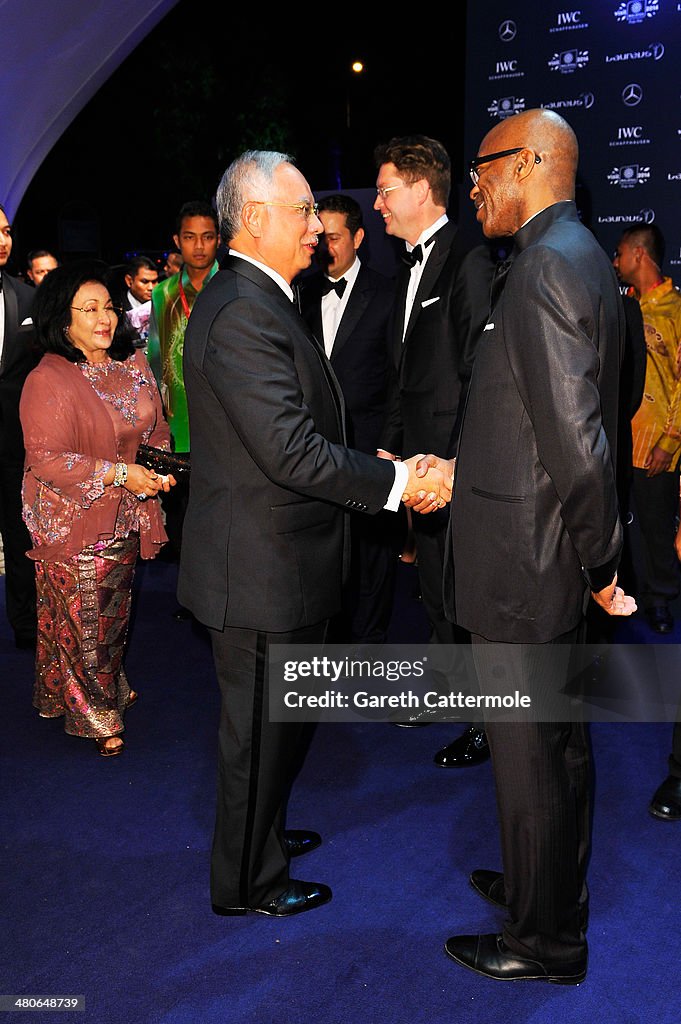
(85, 408)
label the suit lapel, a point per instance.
(264, 281)
(431, 272)
(11, 323)
(357, 302)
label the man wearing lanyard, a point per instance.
(171, 303)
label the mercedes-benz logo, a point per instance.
(632, 94)
(507, 31)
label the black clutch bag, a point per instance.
(163, 462)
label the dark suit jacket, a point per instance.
(19, 356)
(534, 520)
(271, 481)
(360, 352)
(432, 367)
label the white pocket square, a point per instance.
(488, 327)
(28, 320)
(429, 302)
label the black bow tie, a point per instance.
(413, 257)
(338, 286)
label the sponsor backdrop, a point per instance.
(612, 69)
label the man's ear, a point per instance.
(128, 280)
(526, 162)
(251, 215)
(176, 240)
(358, 238)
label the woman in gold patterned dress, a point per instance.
(89, 508)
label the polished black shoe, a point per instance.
(470, 748)
(299, 897)
(660, 619)
(490, 956)
(299, 841)
(666, 804)
(490, 885)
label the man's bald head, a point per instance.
(542, 171)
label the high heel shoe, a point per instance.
(105, 751)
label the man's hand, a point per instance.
(430, 483)
(614, 601)
(658, 461)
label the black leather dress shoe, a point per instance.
(490, 956)
(470, 748)
(299, 897)
(660, 619)
(490, 885)
(299, 841)
(666, 804)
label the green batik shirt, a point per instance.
(167, 324)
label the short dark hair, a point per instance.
(136, 264)
(196, 208)
(341, 203)
(52, 311)
(36, 254)
(416, 157)
(649, 237)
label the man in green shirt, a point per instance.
(196, 236)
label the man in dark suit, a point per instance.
(441, 307)
(534, 528)
(348, 308)
(17, 359)
(264, 534)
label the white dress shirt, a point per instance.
(333, 307)
(417, 270)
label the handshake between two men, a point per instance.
(429, 486)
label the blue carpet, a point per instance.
(104, 881)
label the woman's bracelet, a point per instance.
(120, 475)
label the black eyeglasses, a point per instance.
(478, 160)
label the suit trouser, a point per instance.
(257, 762)
(430, 533)
(369, 594)
(657, 505)
(542, 779)
(675, 756)
(20, 597)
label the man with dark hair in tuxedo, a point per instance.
(348, 306)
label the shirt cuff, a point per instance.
(398, 488)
